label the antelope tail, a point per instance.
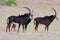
(7, 21)
(34, 22)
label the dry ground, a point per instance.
(40, 10)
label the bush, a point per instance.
(11, 2)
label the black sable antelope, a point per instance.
(26, 24)
(47, 20)
(23, 20)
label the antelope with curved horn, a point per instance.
(47, 20)
(21, 20)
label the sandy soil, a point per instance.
(39, 10)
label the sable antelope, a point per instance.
(47, 20)
(26, 24)
(21, 20)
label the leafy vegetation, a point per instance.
(11, 2)
(8, 2)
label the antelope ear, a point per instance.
(57, 18)
(32, 12)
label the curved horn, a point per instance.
(28, 9)
(55, 13)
